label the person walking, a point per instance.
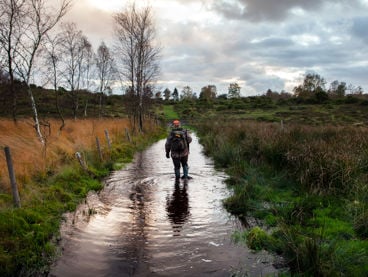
(177, 143)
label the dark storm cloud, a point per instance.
(266, 10)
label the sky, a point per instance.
(258, 44)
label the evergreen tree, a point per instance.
(175, 95)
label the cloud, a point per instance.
(96, 24)
(360, 29)
(260, 44)
(266, 10)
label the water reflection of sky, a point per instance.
(154, 226)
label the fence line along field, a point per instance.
(30, 158)
(52, 179)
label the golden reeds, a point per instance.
(30, 157)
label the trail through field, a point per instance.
(143, 224)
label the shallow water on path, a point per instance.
(143, 224)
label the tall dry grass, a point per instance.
(51, 181)
(30, 158)
(325, 159)
(308, 182)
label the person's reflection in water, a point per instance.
(177, 207)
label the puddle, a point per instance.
(143, 224)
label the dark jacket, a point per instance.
(183, 153)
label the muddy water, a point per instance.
(143, 224)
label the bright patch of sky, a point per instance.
(108, 6)
(306, 39)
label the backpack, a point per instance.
(178, 142)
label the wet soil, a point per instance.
(144, 224)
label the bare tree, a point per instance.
(84, 62)
(24, 25)
(137, 53)
(105, 70)
(38, 22)
(87, 69)
(89, 60)
(53, 57)
(187, 93)
(2, 60)
(11, 13)
(84, 65)
(105, 66)
(75, 48)
(234, 90)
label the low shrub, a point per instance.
(361, 225)
(258, 239)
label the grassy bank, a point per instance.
(306, 185)
(51, 181)
(349, 110)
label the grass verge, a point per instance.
(305, 185)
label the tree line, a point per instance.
(207, 92)
(37, 47)
(312, 88)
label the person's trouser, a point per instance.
(183, 161)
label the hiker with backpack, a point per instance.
(178, 144)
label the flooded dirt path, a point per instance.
(142, 224)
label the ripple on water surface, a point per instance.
(146, 225)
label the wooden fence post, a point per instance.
(78, 155)
(13, 182)
(108, 139)
(127, 134)
(98, 148)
